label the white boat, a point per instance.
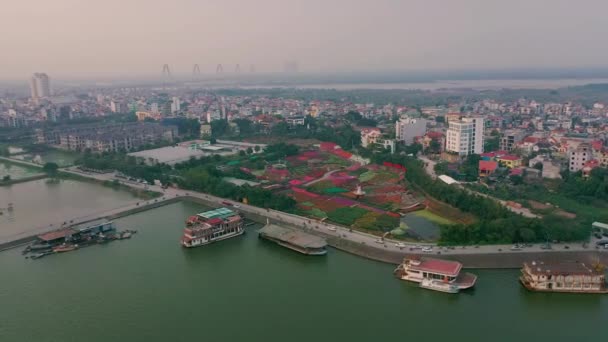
(435, 271)
(211, 226)
(438, 285)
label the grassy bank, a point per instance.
(431, 216)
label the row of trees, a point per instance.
(199, 174)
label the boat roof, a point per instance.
(564, 268)
(216, 213)
(56, 234)
(445, 267)
(293, 236)
(91, 224)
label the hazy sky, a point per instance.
(78, 38)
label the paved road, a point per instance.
(429, 166)
(331, 229)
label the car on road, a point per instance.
(379, 241)
(400, 245)
(427, 249)
(516, 248)
(545, 246)
(237, 206)
(333, 229)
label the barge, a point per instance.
(211, 226)
(294, 239)
(435, 274)
(568, 277)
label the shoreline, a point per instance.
(353, 242)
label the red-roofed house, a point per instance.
(589, 166)
(510, 161)
(487, 167)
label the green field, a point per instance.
(427, 214)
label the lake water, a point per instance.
(40, 203)
(245, 289)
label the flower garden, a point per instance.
(324, 184)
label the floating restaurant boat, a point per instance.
(294, 239)
(211, 226)
(435, 274)
(572, 277)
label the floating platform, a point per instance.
(294, 239)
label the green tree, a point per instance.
(50, 169)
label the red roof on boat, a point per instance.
(215, 221)
(57, 234)
(444, 267)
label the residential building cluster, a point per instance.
(557, 136)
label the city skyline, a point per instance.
(70, 39)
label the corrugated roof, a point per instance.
(292, 236)
(219, 212)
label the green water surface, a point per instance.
(245, 289)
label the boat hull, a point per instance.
(439, 286)
(225, 237)
(294, 248)
(534, 289)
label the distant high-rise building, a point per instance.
(465, 136)
(176, 105)
(154, 108)
(40, 85)
(406, 129)
(116, 107)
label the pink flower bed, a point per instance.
(304, 192)
(295, 182)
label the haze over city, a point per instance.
(80, 39)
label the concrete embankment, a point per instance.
(23, 180)
(378, 252)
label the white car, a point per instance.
(236, 206)
(516, 248)
(427, 249)
(379, 241)
(400, 245)
(333, 229)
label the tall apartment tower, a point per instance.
(176, 105)
(465, 136)
(406, 129)
(40, 85)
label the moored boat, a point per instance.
(293, 239)
(65, 248)
(435, 273)
(567, 277)
(439, 285)
(211, 226)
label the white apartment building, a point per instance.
(465, 136)
(579, 156)
(40, 85)
(116, 107)
(407, 128)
